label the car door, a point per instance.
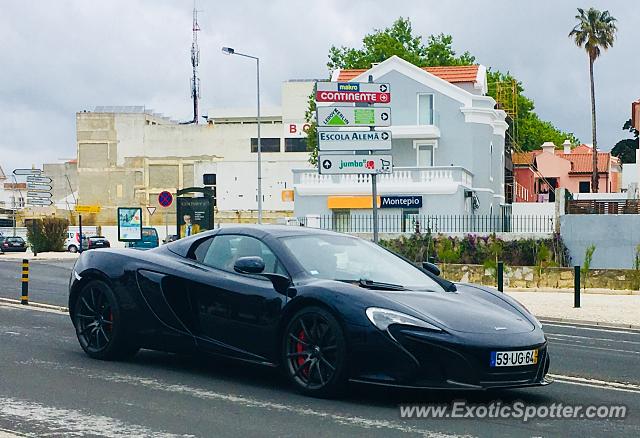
(236, 313)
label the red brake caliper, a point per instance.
(300, 349)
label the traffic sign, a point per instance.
(34, 194)
(354, 164)
(27, 171)
(38, 187)
(354, 140)
(87, 208)
(336, 116)
(39, 201)
(165, 199)
(362, 92)
(39, 179)
(151, 210)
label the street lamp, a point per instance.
(230, 51)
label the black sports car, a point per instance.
(323, 306)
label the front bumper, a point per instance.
(420, 359)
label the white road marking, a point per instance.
(592, 328)
(12, 333)
(595, 383)
(247, 402)
(593, 339)
(565, 343)
(71, 422)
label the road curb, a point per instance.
(32, 258)
(37, 305)
(588, 291)
(602, 324)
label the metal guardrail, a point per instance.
(361, 223)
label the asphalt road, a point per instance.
(48, 280)
(48, 387)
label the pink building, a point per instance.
(538, 173)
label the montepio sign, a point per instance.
(353, 116)
(350, 164)
(362, 92)
(354, 140)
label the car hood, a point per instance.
(469, 310)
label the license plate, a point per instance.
(514, 358)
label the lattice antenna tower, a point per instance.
(195, 61)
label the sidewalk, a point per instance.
(41, 256)
(616, 310)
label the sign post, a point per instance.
(165, 199)
(363, 114)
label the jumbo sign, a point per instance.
(360, 92)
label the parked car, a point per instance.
(95, 242)
(324, 307)
(149, 239)
(12, 244)
(170, 238)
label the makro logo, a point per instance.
(366, 164)
(348, 86)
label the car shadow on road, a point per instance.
(249, 378)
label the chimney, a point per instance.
(567, 146)
(548, 147)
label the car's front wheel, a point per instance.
(99, 323)
(315, 353)
(72, 248)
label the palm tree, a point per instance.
(595, 32)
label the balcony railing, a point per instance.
(400, 176)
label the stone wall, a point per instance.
(544, 278)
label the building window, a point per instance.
(424, 155)
(266, 145)
(298, 144)
(584, 187)
(209, 179)
(425, 109)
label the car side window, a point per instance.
(223, 251)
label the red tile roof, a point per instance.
(580, 161)
(452, 74)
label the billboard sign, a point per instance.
(354, 164)
(129, 224)
(354, 140)
(353, 92)
(337, 116)
(194, 215)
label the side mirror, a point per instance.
(281, 284)
(249, 265)
(431, 267)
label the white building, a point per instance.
(448, 148)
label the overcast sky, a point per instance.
(60, 57)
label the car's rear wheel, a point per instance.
(99, 322)
(72, 248)
(315, 353)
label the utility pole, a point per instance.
(374, 188)
(195, 61)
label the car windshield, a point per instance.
(335, 257)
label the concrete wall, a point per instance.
(615, 237)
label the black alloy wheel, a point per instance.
(98, 323)
(314, 353)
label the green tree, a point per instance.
(595, 32)
(626, 149)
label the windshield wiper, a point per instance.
(377, 285)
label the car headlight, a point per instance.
(383, 318)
